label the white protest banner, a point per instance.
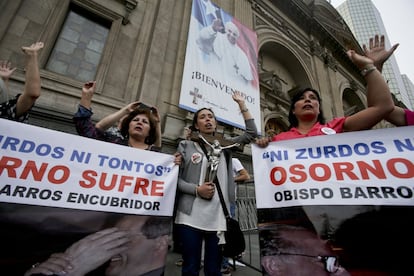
(373, 167)
(219, 61)
(43, 167)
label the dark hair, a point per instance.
(152, 228)
(152, 136)
(157, 226)
(293, 120)
(195, 117)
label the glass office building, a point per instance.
(365, 21)
(409, 86)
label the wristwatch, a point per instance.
(368, 70)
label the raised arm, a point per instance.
(117, 116)
(157, 119)
(82, 118)
(377, 52)
(32, 79)
(88, 89)
(251, 129)
(380, 103)
(380, 55)
(208, 34)
(239, 99)
(6, 71)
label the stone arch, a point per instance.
(351, 102)
(281, 70)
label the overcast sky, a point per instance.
(398, 18)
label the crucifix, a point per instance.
(195, 95)
(214, 155)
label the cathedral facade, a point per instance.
(135, 50)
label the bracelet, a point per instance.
(367, 70)
(196, 193)
(244, 110)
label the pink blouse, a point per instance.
(332, 127)
(409, 117)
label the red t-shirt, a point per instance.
(334, 126)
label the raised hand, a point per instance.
(5, 69)
(155, 114)
(32, 49)
(377, 51)
(238, 97)
(217, 25)
(88, 89)
(132, 106)
(360, 61)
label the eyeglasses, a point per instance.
(331, 263)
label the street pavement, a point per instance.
(173, 270)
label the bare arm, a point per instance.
(239, 99)
(397, 117)
(32, 81)
(157, 120)
(377, 51)
(6, 71)
(380, 103)
(88, 89)
(242, 175)
(117, 116)
(379, 55)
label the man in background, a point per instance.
(240, 175)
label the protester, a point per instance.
(138, 129)
(108, 123)
(199, 214)
(295, 250)
(306, 117)
(240, 174)
(376, 51)
(112, 122)
(17, 108)
(137, 245)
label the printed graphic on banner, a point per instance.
(104, 208)
(373, 168)
(221, 57)
(70, 171)
(343, 205)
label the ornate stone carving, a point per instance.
(130, 5)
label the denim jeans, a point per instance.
(233, 210)
(192, 240)
(225, 262)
